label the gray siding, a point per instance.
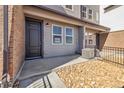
(58, 50)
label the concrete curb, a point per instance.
(55, 81)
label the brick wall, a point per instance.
(1, 40)
(16, 39)
(16, 42)
(10, 34)
(112, 39)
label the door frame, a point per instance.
(41, 37)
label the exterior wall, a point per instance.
(75, 12)
(96, 13)
(32, 11)
(58, 50)
(1, 33)
(17, 41)
(113, 19)
(10, 37)
(1, 40)
(112, 39)
(61, 8)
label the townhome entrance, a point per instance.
(33, 39)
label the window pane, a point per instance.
(68, 39)
(57, 30)
(84, 8)
(83, 14)
(68, 31)
(90, 16)
(57, 39)
(90, 11)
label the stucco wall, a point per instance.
(57, 50)
(1, 40)
(61, 8)
(75, 12)
(112, 39)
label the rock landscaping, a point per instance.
(92, 74)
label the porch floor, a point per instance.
(41, 72)
(46, 65)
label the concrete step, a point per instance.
(55, 81)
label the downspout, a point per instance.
(5, 47)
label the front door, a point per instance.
(33, 39)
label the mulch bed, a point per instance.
(92, 74)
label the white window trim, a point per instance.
(90, 14)
(69, 9)
(57, 34)
(70, 36)
(97, 16)
(85, 12)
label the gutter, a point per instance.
(109, 6)
(5, 47)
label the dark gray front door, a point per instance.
(33, 39)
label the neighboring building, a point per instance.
(112, 16)
(49, 31)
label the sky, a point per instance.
(113, 19)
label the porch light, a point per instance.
(47, 23)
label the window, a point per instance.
(90, 14)
(57, 34)
(70, 7)
(84, 12)
(90, 41)
(69, 35)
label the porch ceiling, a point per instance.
(52, 15)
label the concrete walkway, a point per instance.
(46, 65)
(43, 70)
